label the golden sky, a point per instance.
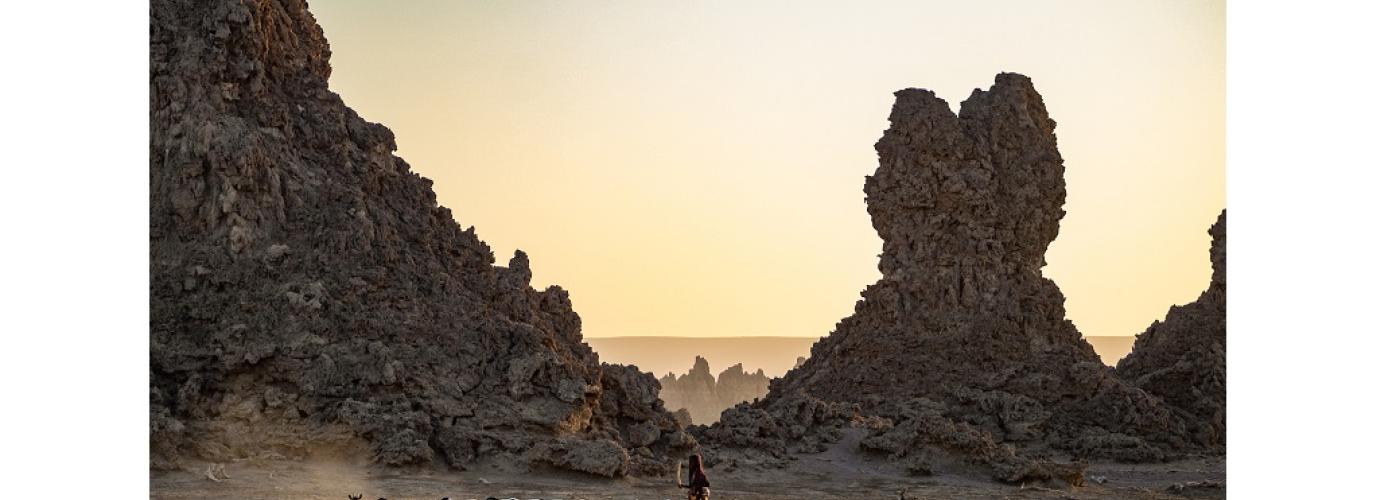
(695, 168)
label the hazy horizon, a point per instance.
(775, 355)
(697, 169)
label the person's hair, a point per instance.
(697, 465)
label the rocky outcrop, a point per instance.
(962, 320)
(923, 437)
(309, 295)
(734, 385)
(1182, 358)
(693, 391)
(703, 396)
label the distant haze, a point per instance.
(695, 168)
(1111, 349)
(662, 355)
(775, 355)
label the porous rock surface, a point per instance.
(309, 296)
(963, 346)
(703, 396)
(1182, 358)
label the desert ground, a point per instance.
(840, 472)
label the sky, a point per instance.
(696, 168)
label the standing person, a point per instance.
(699, 487)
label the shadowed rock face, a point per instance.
(963, 342)
(704, 396)
(966, 206)
(309, 295)
(1182, 359)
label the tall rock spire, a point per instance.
(963, 345)
(967, 205)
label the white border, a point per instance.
(1312, 173)
(73, 197)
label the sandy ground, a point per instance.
(813, 477)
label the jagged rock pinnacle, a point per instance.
(962, 344)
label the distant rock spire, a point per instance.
(704, 397)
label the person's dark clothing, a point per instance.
(698, 480)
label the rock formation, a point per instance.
(734, 385)
(703, 396)
(962, 346)
(693, 391)
(1182, 359)
(309, 296)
